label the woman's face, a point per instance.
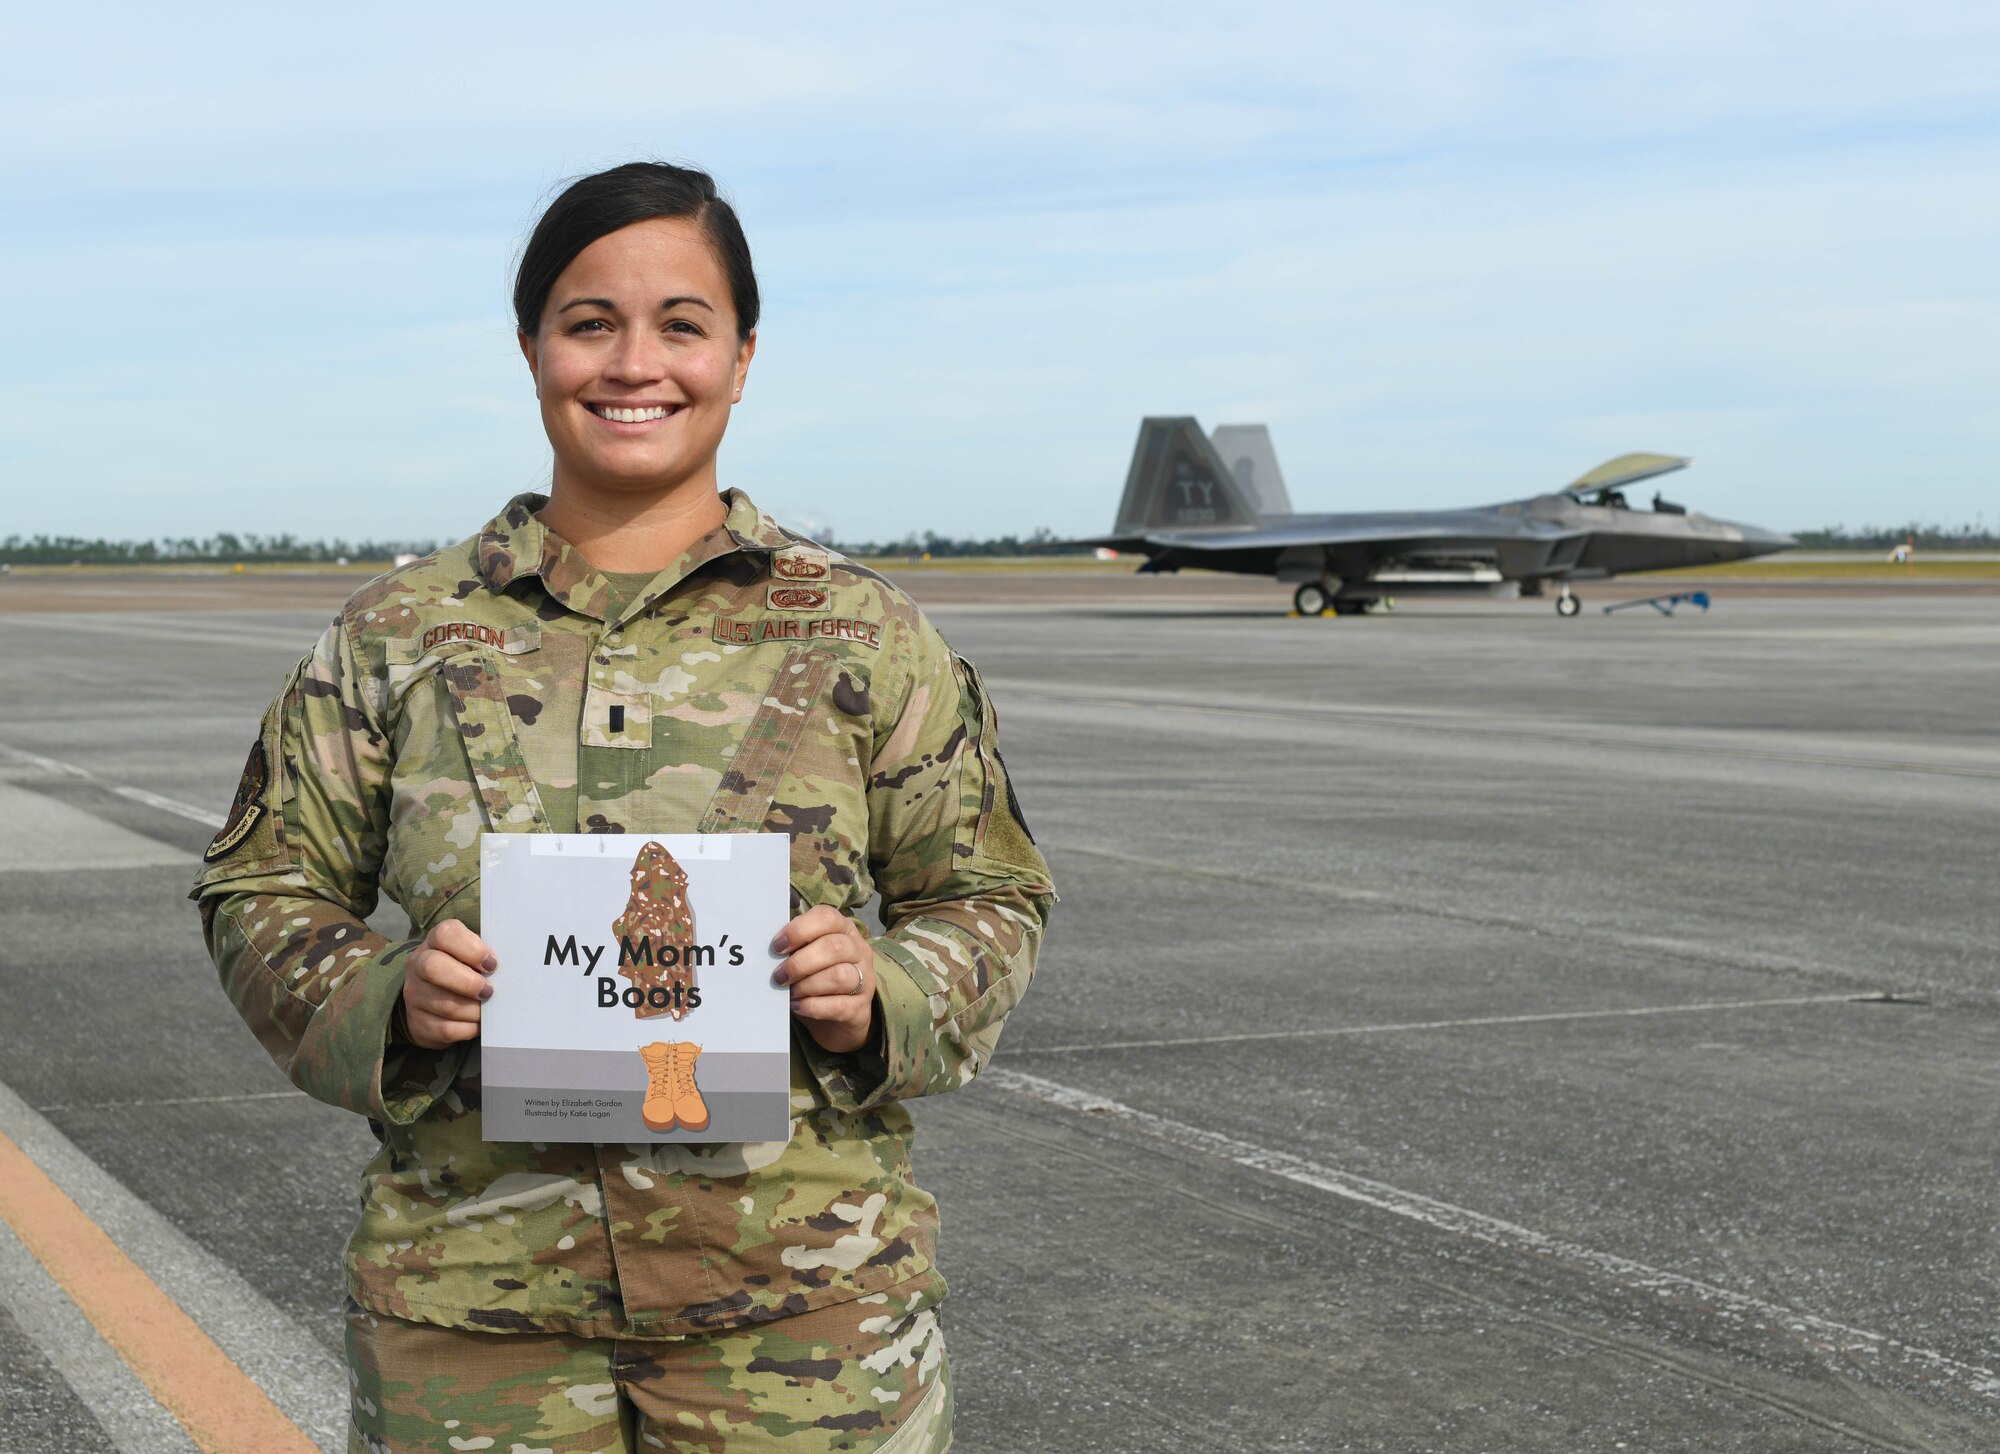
(637, 361)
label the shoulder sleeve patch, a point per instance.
(246, 808)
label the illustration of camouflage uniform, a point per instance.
(759, 683)
(657, 918)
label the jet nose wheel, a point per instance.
(1311, 599)
(1567, 605)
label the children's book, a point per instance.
(633, 1000)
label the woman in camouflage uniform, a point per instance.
(638, 652)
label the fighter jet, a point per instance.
(1221, 504)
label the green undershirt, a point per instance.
(625, 587)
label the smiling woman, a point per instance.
(636, 309)
(637, 651)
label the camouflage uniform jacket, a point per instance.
(758, 683)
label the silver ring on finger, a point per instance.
(860, 979)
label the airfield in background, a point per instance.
(1462, 1029)
(1024, 579)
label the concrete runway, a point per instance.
(1463, 1030)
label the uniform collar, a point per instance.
(515, 544)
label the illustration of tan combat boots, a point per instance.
(672, 1097)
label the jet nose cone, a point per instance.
(1744, 541)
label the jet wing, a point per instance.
(1123, 544)
(1283, 538)
(1389, 538)
(1396, 536)
(1356, 548)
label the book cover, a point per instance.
(634, 1001)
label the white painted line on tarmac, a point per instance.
(124, 1410)
(1221, 606)
(1402, 720)
(1703, 1008)
(47, 835)
(1821, 1334)
(298, 1374)
(191, 628)
(124, 790)
(283, 1095)
(166, 804)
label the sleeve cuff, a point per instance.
(890, 1067)
(359, 1063)
(909, 1032)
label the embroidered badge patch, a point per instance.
(797, 598)
(246, 808)
(798, 566)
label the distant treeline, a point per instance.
(1042, 542)
(1886, 537)
(224, 549)
(227, 549)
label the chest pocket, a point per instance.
(477, 692)
(742, 800)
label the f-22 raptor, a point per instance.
(1220, 504)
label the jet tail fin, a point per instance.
(1246, 449)
(1178, 482)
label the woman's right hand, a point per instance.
(445, 985)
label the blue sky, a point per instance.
(257, 258)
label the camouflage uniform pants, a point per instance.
(868, 1375)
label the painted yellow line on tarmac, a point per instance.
(219, 1405)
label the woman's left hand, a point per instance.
(831, 969)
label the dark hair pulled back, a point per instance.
(597, 205)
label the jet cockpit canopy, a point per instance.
(1605, 485)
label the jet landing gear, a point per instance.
(1567, 604)
(1314, 599)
